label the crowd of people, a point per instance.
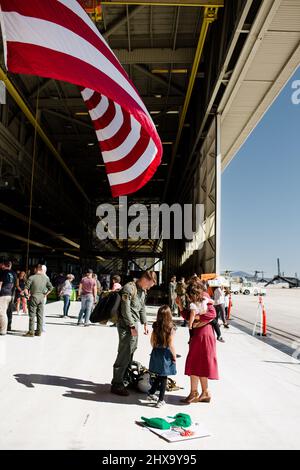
(28, 293)
(200, 307)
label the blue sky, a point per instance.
(261, 193)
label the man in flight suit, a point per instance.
(39, 286)
(132, 311)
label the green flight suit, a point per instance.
(132, 311)
(38, 285)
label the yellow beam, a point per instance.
(18, 215)
(23, 239)
(30, 116)
(168, 3)
(209, 16)
(71, 256)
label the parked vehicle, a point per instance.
(251, 288)
(235, 288)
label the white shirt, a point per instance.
(199, 307)
(219, 296)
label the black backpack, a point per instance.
(107, 309)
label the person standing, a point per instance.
(226, 301)
(39, 287)
(172, 294)
(201, 363)
(7, 292)
(116, 283)
(132, 311)
(66, 293)
(163, 355)
(116, 286)
(20, 286)
(99, 287)
(88, 293)
(220, 305)
(59, 282)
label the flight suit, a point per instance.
(38, 285)
(132, 311)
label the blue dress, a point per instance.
(161, 362)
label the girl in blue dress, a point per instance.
(163, 355)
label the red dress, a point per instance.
(202, 357)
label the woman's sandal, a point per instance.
(204, 398)
(192, 398)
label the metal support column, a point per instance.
(217, 193)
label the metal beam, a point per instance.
(173, 3)
(30, 116)
(70, 119)
(173, 100)
(157, 55)
(124, 254)
(122, 20)
(158, 78)
(217, 193)
(190, 165)
(209, 16)
(23, 218)
(23, 239)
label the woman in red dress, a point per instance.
(201, 363)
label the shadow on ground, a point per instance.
(87, 390)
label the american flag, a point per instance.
(57, 39)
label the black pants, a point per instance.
(160, 383)
(9, 313)
(220, 309)
(215, 324)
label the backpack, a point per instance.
(108, 307)
(140, 378)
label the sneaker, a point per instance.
(226, 325)
(88, 324)
(80, 323)
(38, 333)
(122, 391)
(152, 397)
(221, 339)
(160, 403)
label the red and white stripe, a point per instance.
(57, 39)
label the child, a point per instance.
(198, 305)
(163, 355)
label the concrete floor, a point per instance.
(54, 392)
(282, 305)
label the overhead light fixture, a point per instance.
(155, 112)
(173, 112)
(82, 113)
(168, 71)
(157, 96)
(101, 164)
(167, 143)
(164, 164)
(100, 258)
(90, 144)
